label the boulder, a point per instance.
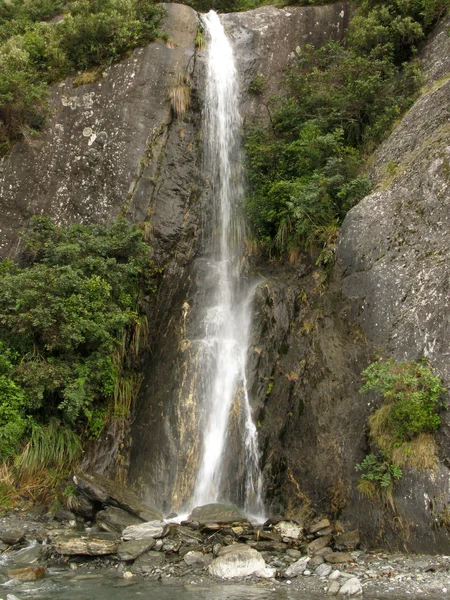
(91, 545)
(12, 537)
(155, 529)
(297, 568)
(131, 550)
(185, 535)
(323, 570)
(27, 573)
(333, 588)
(198, 559)
(352, 587)
(237, 560)
(338, 557)
(317, 544)
(108, 492)
(115, 520)
(147, 562)
(289, 529)
(217, 513)
(322, 524)
(350, 540)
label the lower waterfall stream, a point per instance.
(223, 349)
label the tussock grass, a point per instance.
(420, 453)
(180, 94)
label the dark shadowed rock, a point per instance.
(349, 540)
(217, 513)
(147, 562)
(12, 537)
(335, 558)
(115, 519)
(107, 492)
(132, 549)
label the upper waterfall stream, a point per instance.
(223, 349)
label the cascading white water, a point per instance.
(222, 358)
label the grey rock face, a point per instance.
(153, 529)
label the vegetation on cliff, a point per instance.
(42, 41)
(340, 101)
(71, 329)
(400, 430)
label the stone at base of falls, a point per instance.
(339, 557)
(155, 529)
(237, 560)
(108, 492)
(12, 537)
(352, 587)
(147, 562)
(92, 545)
(197, 559)
(217, 513)
(27, 573)
(296, 568)
(115, 519)
(289, 529)
(134, 548)
(349, 540)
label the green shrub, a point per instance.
(380, 472)
(69, 322)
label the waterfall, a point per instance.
(226, 323)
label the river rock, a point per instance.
(198, 559)
(108, 492)
(92, 545)
(315, 561)
(289, 529)
(323, 570)
(352, 587)
(297, 568)
(27, 573)
(147, 562)
(317, 544)
(116, 520)
(267, 546)
(322, 524)
(134, 548)
(237, 560)
(12, 537)
(338, 557)
(155, 529)
(349, 540)
(185, 535)
(217, 513)
(333, 588)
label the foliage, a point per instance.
(305, 167)
(70, 335)
(400, 428)
(380, 472)
(35, 51)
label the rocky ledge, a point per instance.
(214, 542)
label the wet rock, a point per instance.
(333, 588)
(26, 556)
(147, 562)
(265, 546)
(269, 535)
(217, 513)
(322, 524)
(92, 545)
(115, 519)
(64, 515)
(198, 559)
(237, 560)
(296, 568)
(11, 597)
(12, 537)
(155, 529)
(185, 535)
(107, 492)
(338, 557)
(315, 561)
(317, 544)
(289, 529)
(131, 550)
(352, 587)
(267, 573)
(27, 573)
(350, 540)
(294, 553)
(323, 570)
(82, 506)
